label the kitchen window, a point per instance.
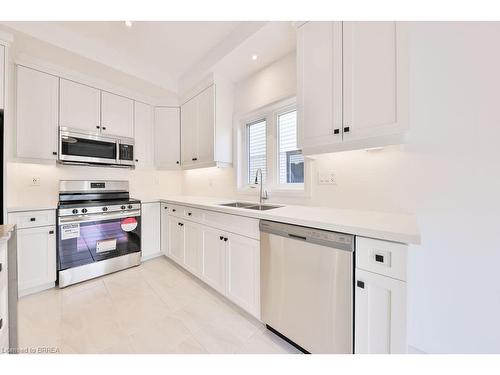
(268, 139)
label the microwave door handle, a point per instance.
(117, 151)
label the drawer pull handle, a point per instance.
(1, 267)
(221, 237)
(297, 237)
(32, 219)
(225, 239)
(336, 131)
(379, 258)
(173, 210)
(1, 323)
(51, 232)
(360, 284)
(189, 214)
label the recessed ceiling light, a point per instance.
(128, 23)
(254, 57)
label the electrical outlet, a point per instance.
(327, 178)
(35, 181)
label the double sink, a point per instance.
(250, 206)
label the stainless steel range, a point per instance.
(99, 229)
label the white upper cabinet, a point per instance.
(117, 115)
(206, 127)
(144, 135)
(79, 106)
(319, 82)
(352, 85)
(37, 96)
(167, 150)
(375, 64)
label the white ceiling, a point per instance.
(164, 52)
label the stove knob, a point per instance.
(129, 206)
(104, 208)
(84, 210)
(75, 211)
(123, 207)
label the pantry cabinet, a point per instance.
(79, 106)
(36, 258)
(117, 115)
(37, 105)
(150, 230)
(352, 85)
(167, 138)
(243, 272)
(214, 259)
(380, 316)
(144, 135)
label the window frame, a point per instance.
(273, 186)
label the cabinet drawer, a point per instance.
(30, 219)
(245, 226)
(383, 257)
(193, 214)
(175, 210)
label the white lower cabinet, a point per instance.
(193, 247)
(380, 314)
(214, 259)
(243, 272)
(176, 240)
(165, 230)
(36, 259)
(150, 230)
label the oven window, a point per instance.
(85, 243)
(86, 147)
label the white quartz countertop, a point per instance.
(31, 208)
(386, 226)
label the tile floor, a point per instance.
(154, 308)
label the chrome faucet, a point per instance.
(261, 196)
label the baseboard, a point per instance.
(152, 256)
(413, 350)
(36, 289)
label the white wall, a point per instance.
(447, 174)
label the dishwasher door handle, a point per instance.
(297, 237)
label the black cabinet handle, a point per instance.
(181, 224)
(336, 131)
(225, 239)
(32, 219)
(54, 153)
(189, 213)
(194, 159)
(103, 128)
(137, 160)
(0, 267)
(1, 323)
(177, 162)
(346, 129)
(221, 237)
(379, 258)
(360, 284)
(97, 126)
(51, 232)
(173, 210)
(165, 208)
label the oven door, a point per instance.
(90, 238)
(87, 148)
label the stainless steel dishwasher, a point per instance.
(307, 286)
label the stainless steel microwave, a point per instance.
(76, 146)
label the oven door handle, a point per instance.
(98, 217)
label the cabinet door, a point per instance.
(189, 136)
(193, 247)
(375, 61)
(37, 101)
(206, 125)
(143, 135)
(176, 240)
(380, 316)
(117, 115)
(150, 230)
(167, 137)
(2, 76)
(36, 257)
(165, 229)
(319, 83)
(79, 106)
(214, 259)
(243, 272)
